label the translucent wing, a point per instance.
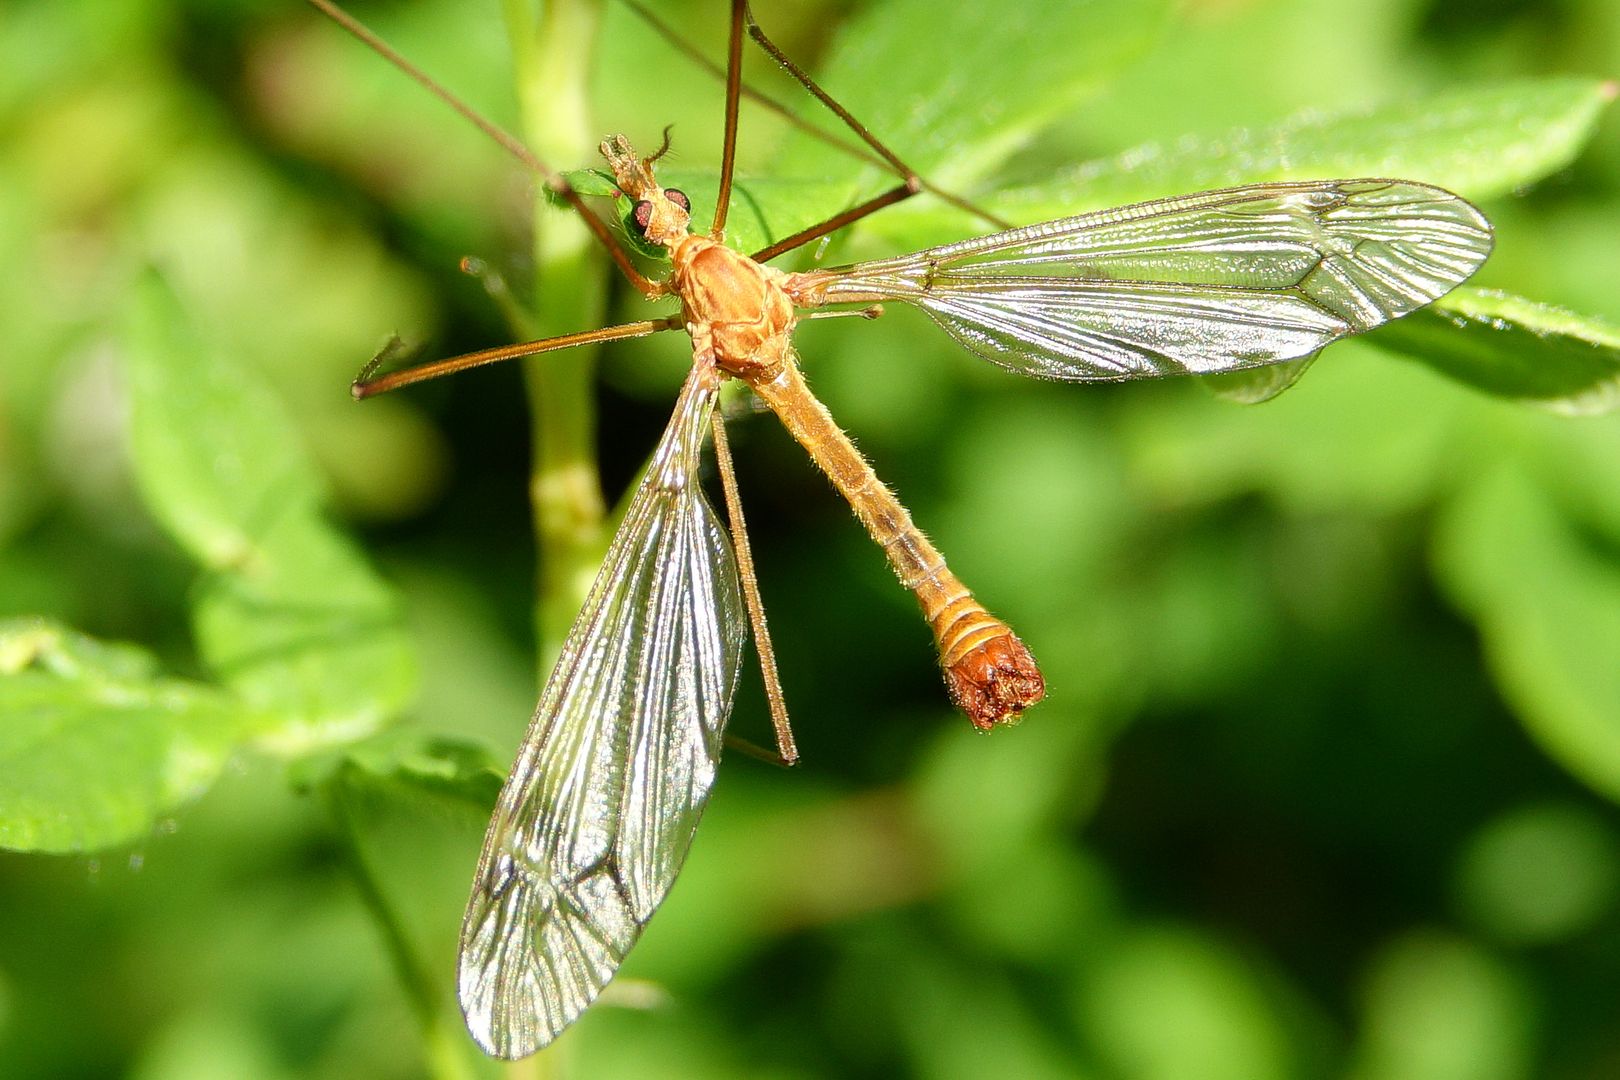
(1200, 283)
(597, 815)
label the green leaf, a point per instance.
(410, 804)
(1515, 348)
(1363, 434)
(1547, 604)
(289, 615)
(1481, 142)
(413, 765)
(955, 117)
(304, 627)
(38, 643)
(95, 749)
(586, 182)
(395, 851)
(214, 454)
(1251, 386)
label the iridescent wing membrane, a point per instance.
(596, 818)
(1196, 284)
(617, 765)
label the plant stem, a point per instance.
(442, 1043)
(553, 49)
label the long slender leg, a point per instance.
(757, 752)
(690, 51)
(833, 224)
(728, 159)
(554, 181)
(786, 749)
(368, 386)
(914, 181)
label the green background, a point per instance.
(1324, 786)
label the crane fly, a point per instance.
(617, 764)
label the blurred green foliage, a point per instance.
(1325, 783)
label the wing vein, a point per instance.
(602, 802)
(1196, 284)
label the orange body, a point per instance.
(740, 315)
(736, 309)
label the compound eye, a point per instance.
(678, 197)
(641, 216)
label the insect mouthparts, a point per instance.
(634, 175)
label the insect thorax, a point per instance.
(733, 305)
